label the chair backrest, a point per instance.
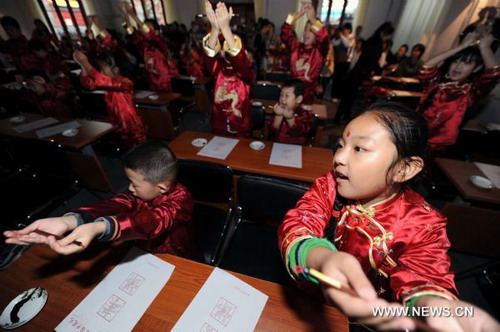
(158, 124)
(277, 77)
(314, 128)
(258, 117)
(265, 91)
(183, 85)
(269, 199)
(207, 182)
(93, 104)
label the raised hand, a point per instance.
(41, 230)
(80, 57)
(212, 18)
(470, 40)
(279, 109)
(223, 15)
(311, 13)
(288, 114)
(486, 40)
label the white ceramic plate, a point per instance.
(257, 104)
(199, 142)
(257, 145)
(153, 97)
(481, 182)
(70, 132)
(23, 308)
(18, 119)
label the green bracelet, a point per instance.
(298, 256)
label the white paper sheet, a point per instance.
(218, 147)
(492, 172)
(144, 94)
(288, 155)
(223, 304)
(57, 129)
(120, 300)
(34, 125)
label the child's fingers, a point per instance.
(63, 249)
(358, 281)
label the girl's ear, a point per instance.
(406, 170)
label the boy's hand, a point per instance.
(288, 114)
(41, 230)
(279, 109)
(77, 240)
(304, 8)
(470, 40)
(223, 15)
(212, 18)
(486, 40)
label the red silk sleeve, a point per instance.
(311, 215)
(96, 80)
(423, 266)
(288, 37)
(242, 67)
(211, 64)
(119, 204)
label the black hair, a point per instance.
(420, 47)
(387, 28)
(36, 45)
(297, 85)
(405, 46)
(467, 55)
(154, 160)
(105, 59)
(347, 26)
(46, 30)
(153, 22)
(408, 130)
(10, 21)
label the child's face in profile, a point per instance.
(141, 188)
(364, 155)
(288, 98)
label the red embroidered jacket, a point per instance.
(450, 103)
(162, 225)
(401, 243)
(119, 97)
(296, 134)
(231, 114)
(306, 62)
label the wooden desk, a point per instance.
(84, 163)
(315, 161)
(480, 126)
(68, 279)
(405, 80)
(318, 109)
(459, 172)
(164, 98)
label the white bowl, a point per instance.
(153, 97)
(257, 145)
(31, 302)
(70, 132)
(481, 182)
(257, 104)
(18, 119)
(199, 142)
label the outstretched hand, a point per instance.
(77, 240)
(212, 18)
(40, 231)
(223, 15)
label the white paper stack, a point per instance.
(288, 155)
(492, 172)
(57, 129)
(120, 300)
(218, 147)
(144, 94)
(223, 304)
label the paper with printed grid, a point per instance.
(218, 147)
(223, 304)
(120, 300)
(288, 155)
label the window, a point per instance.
(67, 17)
(336, 7)
(149, 9)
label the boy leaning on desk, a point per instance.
(156, 213)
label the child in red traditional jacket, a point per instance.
(119, 96)
(469, 73)
(291, 122)
(233, 76)
(159, 65)
(306, 57)
(362, 225)
(156, 213)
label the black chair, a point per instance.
(210, 184)
(311, 136)
(277, 77)
(253, 248)
(265, 91)
(258, 120)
